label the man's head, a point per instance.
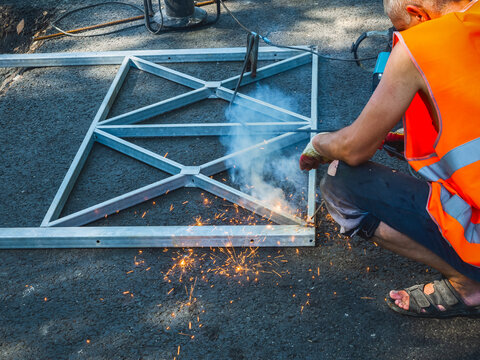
(407, 13)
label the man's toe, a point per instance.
(401, 298)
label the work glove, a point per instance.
(311, 159)
(394, 144)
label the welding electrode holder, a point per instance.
(253, 40)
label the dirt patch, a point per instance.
(20, 26)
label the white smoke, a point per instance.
(275, 178)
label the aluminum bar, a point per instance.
(312, 175)
(208, 129)
(121, 202)
(269, 70)
(166, 73)
(267, 146)
(246, 201)
(260, 106)
(156, 236)
(157, 56)
(139, 153)
(160, 108)
(76, 166)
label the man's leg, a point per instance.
(365, 198)
(392, 240)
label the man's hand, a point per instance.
(311, 159)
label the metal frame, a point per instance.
(65, 232)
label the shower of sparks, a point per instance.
(180, 306)
(244, 263)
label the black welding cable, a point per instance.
(53, 23)
(148, 9)
(269, 42)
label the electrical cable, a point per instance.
(269, 42)
(362, 37)
(91, 27)
(148, 10)
(53, 23)
(160, 30)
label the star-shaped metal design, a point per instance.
(113, 132)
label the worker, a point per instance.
(431, 80)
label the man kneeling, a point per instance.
(432, 80)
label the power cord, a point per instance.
(53, 23)
(148, 9)
(269, 42)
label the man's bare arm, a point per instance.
(358, 142)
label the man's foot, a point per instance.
(440, 299)
(470, 295)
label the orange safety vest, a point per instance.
(446, 51)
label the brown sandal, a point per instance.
(444, 294)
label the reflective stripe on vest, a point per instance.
(452, 161)
(460, 210)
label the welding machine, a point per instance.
(176, 15)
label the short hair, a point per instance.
(396, 8)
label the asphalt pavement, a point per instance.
(324, 302)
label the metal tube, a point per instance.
(68, 182)
(156, 236)
(156, 56)
(166, 73)
(160, 107)
(312, 175)
(246, 201)
(200, 129)
(138, 153)
(121, 202)
(266, 146)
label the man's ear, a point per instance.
(418, 13)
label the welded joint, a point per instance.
(190, 173)
(190, 170)
(213, 84)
